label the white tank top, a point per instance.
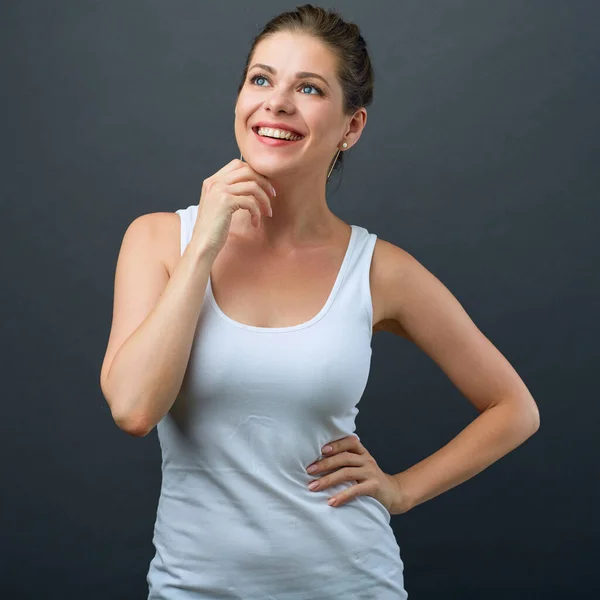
(235, 518)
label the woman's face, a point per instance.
(306, 104)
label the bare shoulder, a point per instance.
(165, 228)
(418, 306)
(140, 278)
(389, 266)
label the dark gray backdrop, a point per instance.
(480, 157)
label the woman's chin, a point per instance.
(266, 166)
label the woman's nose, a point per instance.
(279, 100)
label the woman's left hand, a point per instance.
(353, 462)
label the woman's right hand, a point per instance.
(235, 186)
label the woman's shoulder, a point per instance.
(165, 229)
(388, 265)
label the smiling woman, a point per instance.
(325, 103)
(277, 366)
(242, 330)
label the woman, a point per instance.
(245, 337)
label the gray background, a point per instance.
(480, 157)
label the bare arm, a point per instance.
(154, 321)
(429, 315)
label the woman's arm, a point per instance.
(154, 321)
(437, 323)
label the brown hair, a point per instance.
(354, 70)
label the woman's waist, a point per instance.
(267, 512)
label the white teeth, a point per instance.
(278, 133)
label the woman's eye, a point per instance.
(304, 85)
(308, 85)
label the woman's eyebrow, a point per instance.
(300, 74)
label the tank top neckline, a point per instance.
(313, 320)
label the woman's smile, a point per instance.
(271, 141)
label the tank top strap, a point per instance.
(187, 218)
(354, 296)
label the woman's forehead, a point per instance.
(294, 52)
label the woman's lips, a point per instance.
(275, 141)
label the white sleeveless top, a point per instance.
(235, 518)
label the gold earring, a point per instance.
(344, 145)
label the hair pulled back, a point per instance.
(354, 70)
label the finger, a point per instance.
(261, 178)
(333, 462)
(359, 489)
(247, 173)
(253, 189)
(233, 165)
(339, 476)
(251, 177)
(249, 203)
(350, 442)
(230, 167)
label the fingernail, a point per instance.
(274, 192)
(270, 211)
(327, 449)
